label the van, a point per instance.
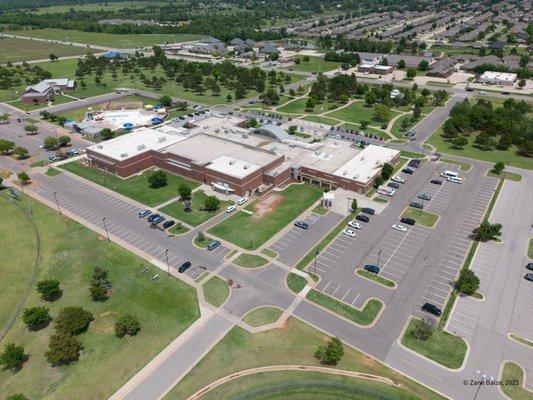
(213, 244)
(449, 174)
(455, 179)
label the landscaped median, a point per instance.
(262, 316)
(376, 278)
(295, 282)
(250, 261)
(513, 379)
(421, 217)
(216, 291)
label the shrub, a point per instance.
(49, 289)
(499, 167)
(157, 179)
(17, 396)
(127, 325)
(73, 320)
(100, 284)
(36, 318)
(23, 177)
(330, 354)
(62, 349)
(423, 329)
(184, 191)
(12, 357)
(468, 282)
(211, 203)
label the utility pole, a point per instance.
(106, 232)
(57, 202)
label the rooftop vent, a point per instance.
(99, 146)
(141, 147)
(356, 176)
(232, 162)
(123, 155)
(247, 166)
(363, 158)
(344, 173)
(162, 139)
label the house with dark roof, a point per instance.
(269, 48)
(237, 42)
(250, 42)
(43, 91)
(443, 68)
(497, 45)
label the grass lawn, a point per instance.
(315, 64)
(421, 217)
(59, 99)
(270, 253)
(462, 165)
(198, 215)
(411, 154)
(509, 157)
(262, 316)
(24, 50)
(91, 7)
(376, 278)
(512, 371)
(202, 243)
(365, 316)
(397, 129)
(294, 344)
(368, 129)
(530, 248)
(442, 347)
(358, 111)
(320, 210)
(135, 187)
(251, 231)
(295, 282)
(250, 261)
(297, 106)
(178, 229)
(53, 172)
(320, 120)
(69, 252)
(216, 291)
(106, 39)
(512, 176)
(522, 340)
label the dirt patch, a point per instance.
(5, 173)
(105, 322)
(124, 105)
(267, 205)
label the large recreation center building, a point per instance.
(221, 152)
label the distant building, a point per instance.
(44, 90)
(497, 45)
(269, 48)
(443, 68)
(497, 78)
(114, 54)
(237, 42)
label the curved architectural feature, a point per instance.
(272, 131)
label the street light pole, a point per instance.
(316, 255)
(106, 232)
(168, 265)
(57, 202)
(379, 256)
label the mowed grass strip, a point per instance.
(442, 347)
(216, 291)
(315, 64)
(512, 371)
(198, 215)
(421, 217)
(295, 282)
(251, 231)
(262, 316)
(361, 317)
(69, 252)
(250, 261)
(25, 50)
(512, 176)
(376, 278)
(135, 187)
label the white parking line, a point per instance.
(354, 300)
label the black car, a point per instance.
(362, 218)
(529, 266)
(368, 210)
(393, 185)
(528, 277)
(184, 267)
(424, 196)
(371, 268)
(432, 309)
(415, 163)
(301, 224)
(408, 221)
(436, 181)
(168, 224)
(416, 204)
(408, 171)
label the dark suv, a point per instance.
(416, 204)
(184, 267)
(432, 309)
(367, 210)
(408, 221)
(393, 185)
(362, 218)
(301, 224)
(371, 268)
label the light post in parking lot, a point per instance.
(168, 265)
(316, 255)
(251, 241)
(482, 381)
(106, 232)
(57, 202)
(379, 256)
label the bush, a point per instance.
(73, 320)
(127, 325)
(184, 191)
(468, 282)
(157, 179)
(499, 167)
(387, 171)
(12, 357)
(211, 203)
(23, 177)
(17, 396)
(63, 140)
(62, 349)
(36, 318)
(423, 329)
(49, 289)
(378, 181)
(330, 354)
(100, 284)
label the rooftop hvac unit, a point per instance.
(232, 162)
(326, 155)
(363, 158)
(162, 139)
(141, 147)
(317, 152)
(377, 162)
(123, 155)
(356, 176)
(99, 146)
(344, 173)
(247, 166)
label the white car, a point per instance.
(242, 200)
(349, 232)
(399, 227)
(354, 224)
(398, 179)
(231, 208)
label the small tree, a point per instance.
(157, 179)
(459, 142)
(381, 112)
(12, 357)
(17, 396)
(498, 167)
(292, 129)
(127, 325)
(99, 284)
(354, 204)
(31, 129)
(487, 231)
(425, 92)
(50, 142)
(165, 100)
(62, 349)
(36, 318)
(63, 140)
(20, 152)
(387, 171)
(253, 123)
(310, 103)
(370, 98)
(364, 124)
(184, 191)
(423, 329)
(423, 65)
(401, 64)
(73, 320)
(411, 73)
(378, 181)
(49, 289)
(417, 111)
(23, 177)
(201, 236)
(211, 203)
(467, 283)
(107, 134)
(331, 353)
(53, 57)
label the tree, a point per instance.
(370, 98)
(417, 111)
(211, 203)
(107, 134)
(12, 357)
(184, 191)
(425, 92)
(310, 104)
(127, 325)
(252, 123)
(381, 112)
(49, 289)
(17, 396)
(498, 167)
(23, 177)
(53, 57)
(484, 141)
(36, 318)
(405, 124)
(20, 152)
(331, 353)
(459, 142)
(423, 65)
(387, 171)
(292, 129)
(63, 140)
(6, 146)
(521, 83)
(401, 64)
(50, 142)
(73, 320)
(98, 292)
(487, 231)
(157, 179)
(411, 73)
(31, 129)
(354, 204)
(378, 181)
(467, 283)
(63, 348)
(422, 330)
(240, 91)
(229, 98)
(165, 101)
(100, 284)
(364, 124)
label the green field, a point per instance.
(251, 231)
(69, 252)
(135, 187)
(297, 107)
(368, 129)
(421, 217)
(512, 176)
(198, 215)
(320, 120)
(512, 371)
(262, 316)
(462, 165)
(14, 50)
(92, 7)
(356, 112)
(294, 344)
(250, 261)
(509, 157)
(216, 291)
(442, 347)
(105, 39)
(397, 129)
(315, 64)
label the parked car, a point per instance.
(144, 213)
(168, 224)
(432, 309)
(152, 217)
(398, 179)
(362, 218)
(301, 224)
(393, 185)
(415, 163)
(213, 244)
(231, 208)
(416, 204)
(242, 200)
(368, 210)
(371, 268)
(408, 221)
(424, 196)
(158, 219)
(529, 266)
(355, 225)
(408, 171)
(184, 267)
(349, 232)
(399, 227)
(528, 277)
(436, 181)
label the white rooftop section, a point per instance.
(498, 77)
(131, 144)
(233, 166)
(364, 166)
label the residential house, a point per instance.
(43, 91)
